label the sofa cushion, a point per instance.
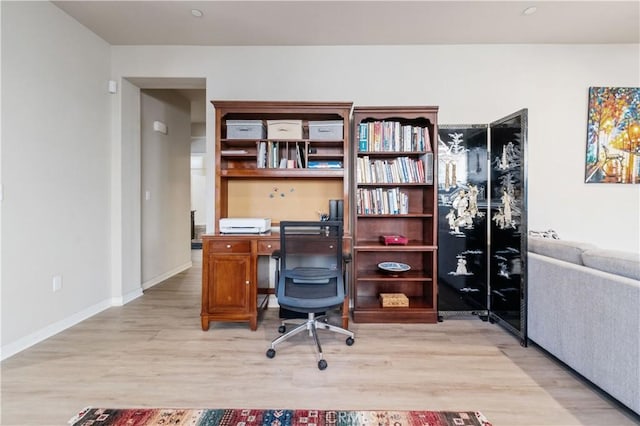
(616, 262)
(569, 251)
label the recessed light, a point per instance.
(197, 13)
(530, 11)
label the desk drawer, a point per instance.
(229, 246)
(305, 246)
(267, 247)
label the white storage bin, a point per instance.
(326, 130)
(284, 129)
(245, 129)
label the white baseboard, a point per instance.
(157, 280)
(123, 300)
(51, 330)
(273, 301)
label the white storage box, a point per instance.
(245, 129)
(284, 129)
(326, 130)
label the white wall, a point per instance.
(198, 164)
(55, 172)
(166, 230)
(470, 83)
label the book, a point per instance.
(233, 151)
(324, 164)
(261, 161)
(300, 159)
(363, 137)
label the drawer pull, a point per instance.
(228, 245)
(247, 282)
(268, 245)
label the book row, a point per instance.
(276, 155)
(392, 136)
(381, 201)
(397, 170)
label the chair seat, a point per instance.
(311, 273)
(304, 296)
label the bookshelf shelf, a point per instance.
(395, 193)
(283, 173)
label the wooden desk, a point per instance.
(230, 278)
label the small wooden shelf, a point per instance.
(374, 275)
(412, 246)
(419, 310)
(373, 303)
(395, 216)
(283, 173)
(392, 154)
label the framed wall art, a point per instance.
(613, 135)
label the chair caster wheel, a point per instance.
(271, 353)
(322, 364)
(350, 341)
(282, 329)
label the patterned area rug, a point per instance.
(250, 417)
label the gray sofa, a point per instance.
(584, 308)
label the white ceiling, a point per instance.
(324, 22)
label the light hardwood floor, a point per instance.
(153, 353)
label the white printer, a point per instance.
(244, 225)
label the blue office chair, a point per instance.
(310, 278)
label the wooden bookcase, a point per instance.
(396, 196)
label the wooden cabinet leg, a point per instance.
(254, 323)
(205, 323)
(345, 313)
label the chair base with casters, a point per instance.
(312, 325)
(310, 278)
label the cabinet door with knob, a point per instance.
(228, 293)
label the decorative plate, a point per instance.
(394, 267)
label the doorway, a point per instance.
(134, 247)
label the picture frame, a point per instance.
(613, 135)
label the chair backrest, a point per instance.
(311, 269)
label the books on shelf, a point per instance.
(282, 155)
(333, 164)
(392, 136)
(289, 155)
(381, 201)
(233, 151)
(396, 170)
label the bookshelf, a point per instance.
(395, 194)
